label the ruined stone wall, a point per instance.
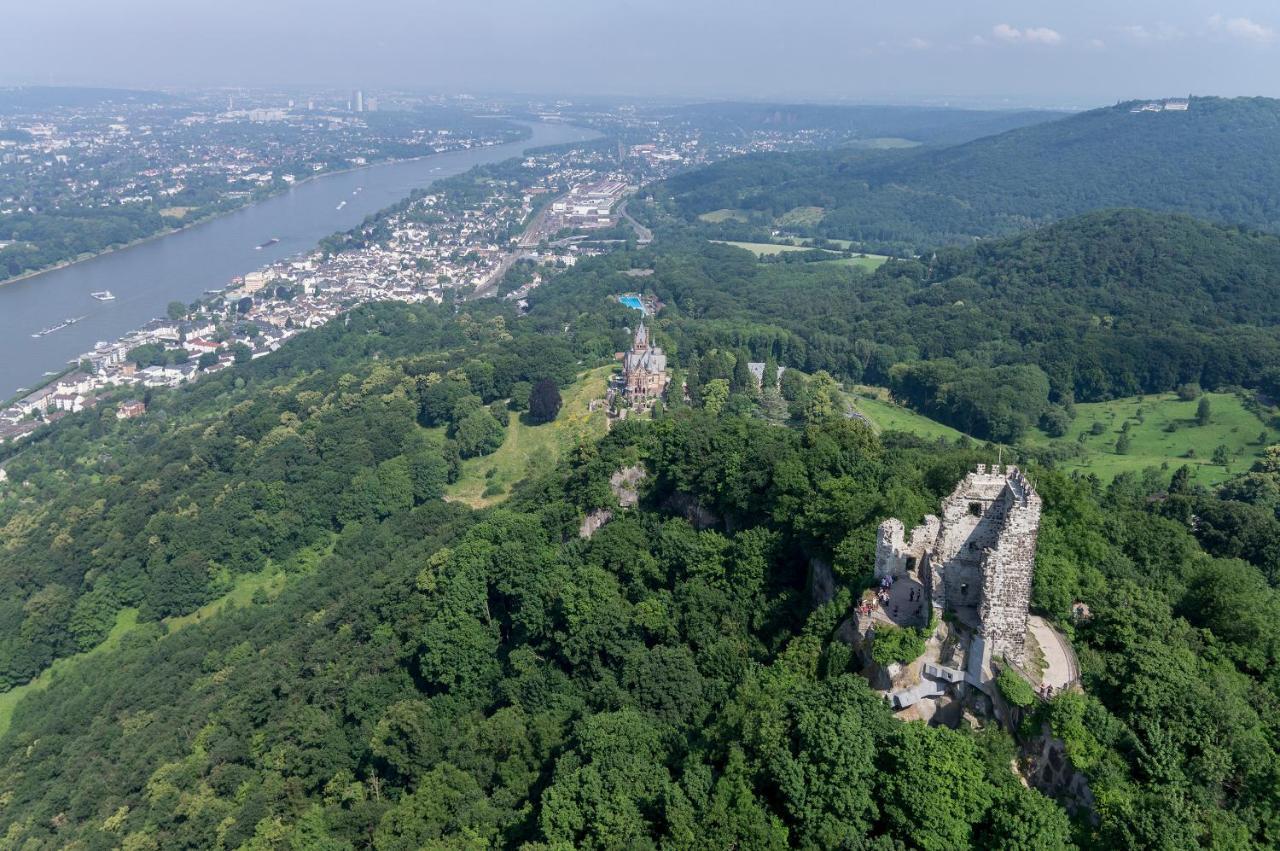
(1008, 571)
(895, 555)
(977, 557)
(971, 520)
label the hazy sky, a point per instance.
(1068, 52)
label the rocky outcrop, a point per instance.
(1047, 767)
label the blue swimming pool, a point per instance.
(633, 302)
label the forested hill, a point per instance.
(989, 338)
(1214, 161)
(1132, 266)
(426, 676)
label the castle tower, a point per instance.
(978, 558)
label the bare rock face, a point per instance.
(1048, 768)
(593, 521)
(822, 582)
(625, 485)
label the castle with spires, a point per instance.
(644, 369)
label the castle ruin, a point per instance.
(976, 560)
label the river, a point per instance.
(181, 266)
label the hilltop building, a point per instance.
(644, 369)
(975, 561)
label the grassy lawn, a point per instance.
(270, 579)
(723, 215)
(884, 143)
(1230, 425)
(527, 448)
(175, 212)
(874, 403)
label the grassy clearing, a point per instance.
(126, 622)
(527, 448)
(874, 403)
(271, 579)
(176, 212)
(800, 216)
(884, 143)
(868, 262)
(762, 249)
(723, 215)
(1152, 445)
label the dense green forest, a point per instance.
(1212, 161)
(437, 677)
(989, 339)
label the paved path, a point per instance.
(1059, 659)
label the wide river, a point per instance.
(183, 265)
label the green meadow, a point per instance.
(1162, 430)
(489, 478)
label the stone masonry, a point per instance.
(977, 559)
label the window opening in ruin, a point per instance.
(911, 562)
(975, 508)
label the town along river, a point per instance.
(181, 266)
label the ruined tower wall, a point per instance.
(894, 554)
(977, 557)
(1008, 570)
(971, 520)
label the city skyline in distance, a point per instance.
(997, 54)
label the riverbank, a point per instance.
(248, 202)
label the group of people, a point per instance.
(884, 597)
(1045, 691)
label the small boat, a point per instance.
(341, 204)
(103, 295)
(269, 243)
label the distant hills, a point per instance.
(1215, 160)
(922, 124)
(35, 98)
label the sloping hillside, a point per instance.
(1215, 161)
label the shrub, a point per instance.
(893, 644)
(1015, 689)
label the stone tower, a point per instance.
(977, 559)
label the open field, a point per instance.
(1151, 445)
(874, 403)
(869, 262)
(763, 249)
(176, 212)
(800, 216)
(723, 215)
(489, 479)
(270, 579)
(885, 143)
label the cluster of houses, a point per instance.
(436, 250)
